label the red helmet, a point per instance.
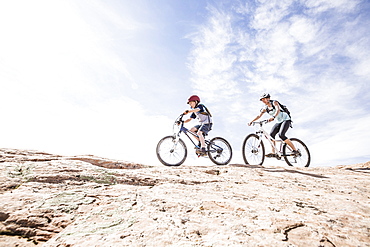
(194, 98)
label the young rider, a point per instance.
(199, 111)
(283, 121)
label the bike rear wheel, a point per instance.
(219, 151)
(171, 151)
(253, 150)
(303, 159)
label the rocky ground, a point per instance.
(51, 200)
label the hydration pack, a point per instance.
(283, 108)
(207, 112)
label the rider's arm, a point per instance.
(191, 111)
(277, 107)
(256, 118)
(192, 116)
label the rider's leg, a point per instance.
(202, 150)
(283, 130)
(275, 129)
(194, 130)
(203, 130)
(201, 139)
(290, 143)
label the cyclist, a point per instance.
(201, 112)
(283, 121)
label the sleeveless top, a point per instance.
(281, 117)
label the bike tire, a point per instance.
(302, 160)
(171, 153)
(219, 151)
(253, 150)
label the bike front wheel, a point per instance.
(171, 151)
(219, 151)
(302, 159)
(253, 150)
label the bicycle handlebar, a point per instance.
(179, 119)
(261, 122)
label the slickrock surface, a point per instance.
(51, 200)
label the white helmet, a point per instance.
(265, 95)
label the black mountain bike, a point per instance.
(172, 151)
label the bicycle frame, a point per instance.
(187, 132)
(262, 133)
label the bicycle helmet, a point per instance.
(194, 98)
(265, 95)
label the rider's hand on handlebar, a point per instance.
(186, 112)
(249, 124)
(271, 119)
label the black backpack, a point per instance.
(207, 112)
(283, 108)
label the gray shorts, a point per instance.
(205, 128)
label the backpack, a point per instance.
(207, 111)
(283, 108)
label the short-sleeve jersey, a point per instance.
(202, 115)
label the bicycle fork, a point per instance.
(175, 141)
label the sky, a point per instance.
(109, 78)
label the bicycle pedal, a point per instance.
(201, 154)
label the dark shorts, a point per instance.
(281, 128)
(205, 128)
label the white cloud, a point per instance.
(269, 13)
(302, 29)
(63, 84)
(212, 59)
(344, 141)
(360, 54)
(318, 6)
(300, 56)
(117, 128)
(78, 80)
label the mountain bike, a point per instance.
(254, 150)
(172, 151)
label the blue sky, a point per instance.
(109, 77)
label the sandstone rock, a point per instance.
(51, 200)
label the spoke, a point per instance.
(171, 152)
